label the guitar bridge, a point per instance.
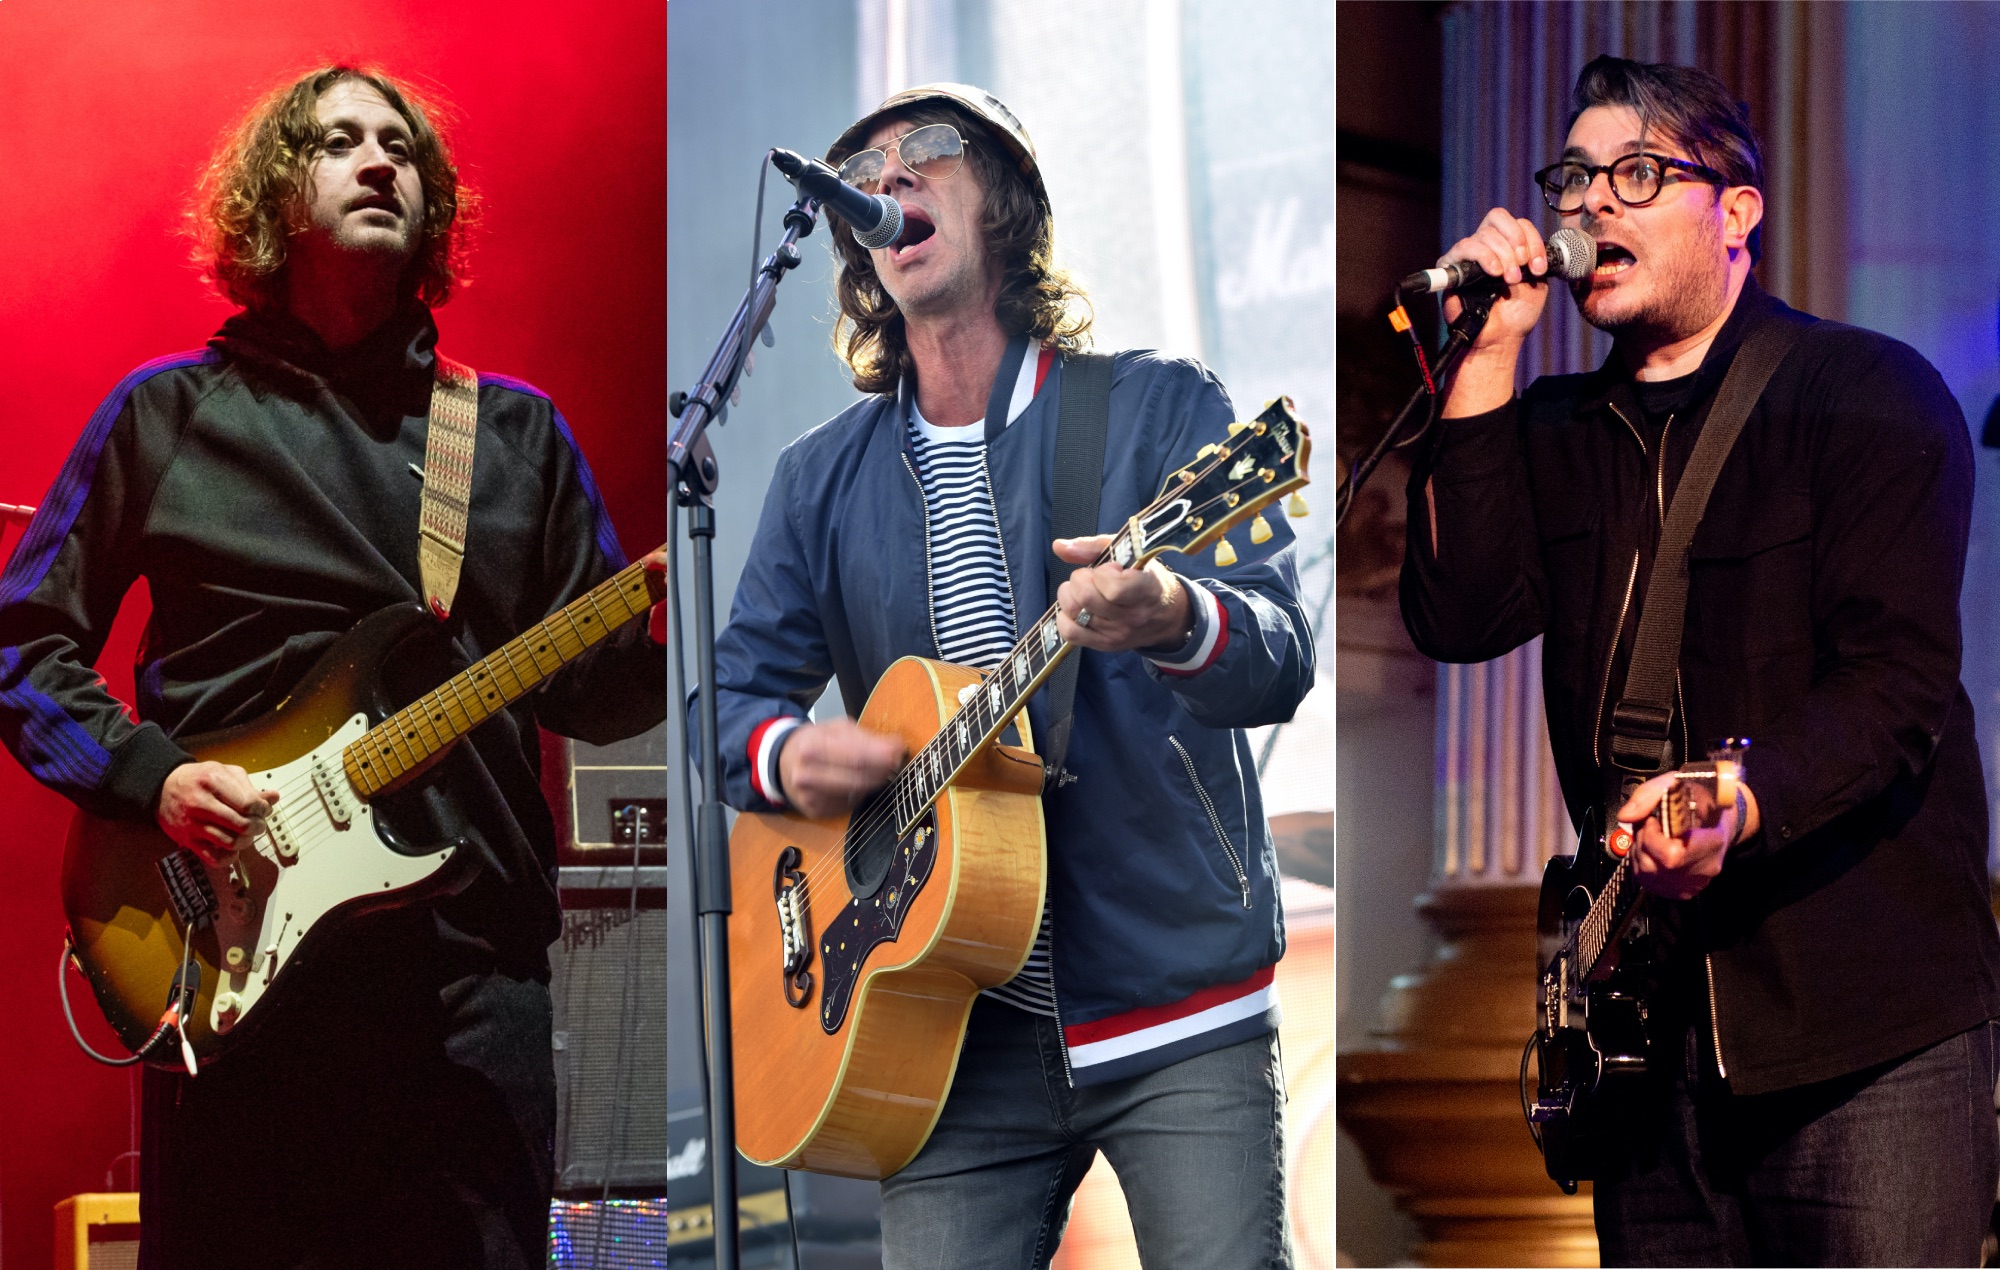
(188, 889)
(788, 891)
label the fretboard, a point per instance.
(1606, 913)
(984, 715)
(415, 735)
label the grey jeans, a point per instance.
(1198, 1148)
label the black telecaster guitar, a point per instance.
(1590, 1032)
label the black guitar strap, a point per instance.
(1641, 731)
(1084, 414)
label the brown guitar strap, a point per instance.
(447, 482)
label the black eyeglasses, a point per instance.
(1636, 179)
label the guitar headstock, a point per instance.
(1231, 480)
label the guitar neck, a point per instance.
(412, 738)
(984, 715)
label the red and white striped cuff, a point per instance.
(1210, 637)
(764, 757)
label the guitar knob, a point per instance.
(1295, 505)
(228, 1008)
(236, 959)
(1260, 530)
(1225, 555)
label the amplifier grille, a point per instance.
(611, 1090)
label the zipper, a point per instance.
(923, 504)
(1625, 605)
(1055, 1001)
(1715, 1025)
(1214, 821)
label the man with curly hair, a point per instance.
(395, 1107)
(918, 522)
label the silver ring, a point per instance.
(1083, 618)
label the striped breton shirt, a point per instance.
(972, 607)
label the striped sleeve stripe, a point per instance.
(54, 747)
(1136, 1031)
(764, 757)
(1210, 637)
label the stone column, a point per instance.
(1432, 1094)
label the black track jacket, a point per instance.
(1822, 622)
(264, 487)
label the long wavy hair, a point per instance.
(254, 193)
(1035, 296)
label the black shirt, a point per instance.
(264, 489)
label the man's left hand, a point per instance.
(1679, 868)
(1128, 608)
(656, 582)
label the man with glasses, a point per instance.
(1821, 1074)
(918, 522)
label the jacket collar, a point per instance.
(392, 367)
(1611, 383)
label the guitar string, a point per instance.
(883, 807)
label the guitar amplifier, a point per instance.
(98, 1231)
(609, 968)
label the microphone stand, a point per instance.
(692, 469)
(1471, 321)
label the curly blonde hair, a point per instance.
(253, 194)
(1035, 296)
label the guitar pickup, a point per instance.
(330, 792)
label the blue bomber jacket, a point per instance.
(1162, 879)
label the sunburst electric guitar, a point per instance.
(156, 929)
(858, 944)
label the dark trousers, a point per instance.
(1895, 1165)
(399, 1112)
(1198, 1148)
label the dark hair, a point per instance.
(252, 195)
(1035, 297)
(1691, 108)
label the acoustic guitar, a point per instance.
(857, 944)
(156, 928)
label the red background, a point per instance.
(107, 113)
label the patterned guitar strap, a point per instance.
(447, 482)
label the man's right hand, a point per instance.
(210, 807)
(827, 768)
(1510, 247)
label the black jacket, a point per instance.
(1822, 622)
(263, 487)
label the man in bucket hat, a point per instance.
(918, 522)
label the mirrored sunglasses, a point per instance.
(933, 152)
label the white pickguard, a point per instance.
(318, 849)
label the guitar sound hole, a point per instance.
(871, 845)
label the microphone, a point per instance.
(877, 219)
(1572, 256)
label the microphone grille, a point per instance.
(1572, 254)
(890, 227)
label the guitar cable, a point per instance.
(172, 1020)
(1527, 1112)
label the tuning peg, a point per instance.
(1296, 504)
(1235, 428)
(1205, 451)
(1225, 555)
(1260, 530)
